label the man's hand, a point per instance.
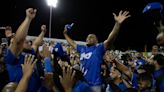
(67, 79)
(27, 69)
(121, 17)
(43, 28)
(30, 13)
(28, 66)
(112, 36)
(65, 30)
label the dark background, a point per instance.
(89, 16)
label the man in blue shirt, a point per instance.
(159, 72)
(15, 54)
(91, 55)
(117, 82)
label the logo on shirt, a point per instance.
(83, 70)
(86, 55)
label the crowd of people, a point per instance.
(38, 66)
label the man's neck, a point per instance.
(89, 45)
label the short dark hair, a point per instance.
(159, 58)
(8, 28)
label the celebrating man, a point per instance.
(91, 55)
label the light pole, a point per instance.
(51, 3)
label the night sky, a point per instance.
(89, 16)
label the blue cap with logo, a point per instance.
(153, 6)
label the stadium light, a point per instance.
(52, 4)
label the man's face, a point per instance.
(154, 50)
(8, 33)
(27, 45)
(91, 39)
(108, 57)
(114, 73)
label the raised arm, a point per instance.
(17, 44)
(68, 79)
(118, 21)
(69, 40)
(39, 39)
(27, 69)
(124, 69)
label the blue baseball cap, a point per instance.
(153, 6)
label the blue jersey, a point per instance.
(15, 70)
(91, 59)
(121, 86)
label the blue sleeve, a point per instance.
(79, 48)
(9, 57)
(48, 65)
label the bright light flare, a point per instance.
(52, 3)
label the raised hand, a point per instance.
(43, 28)
(65, 30)
(68, 27)
(28, 65)
(30, 13)
(121, 17)
(67, 79)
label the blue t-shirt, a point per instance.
(121, 85)
(90, 62)
(15, 70)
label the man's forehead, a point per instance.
(8, 28)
